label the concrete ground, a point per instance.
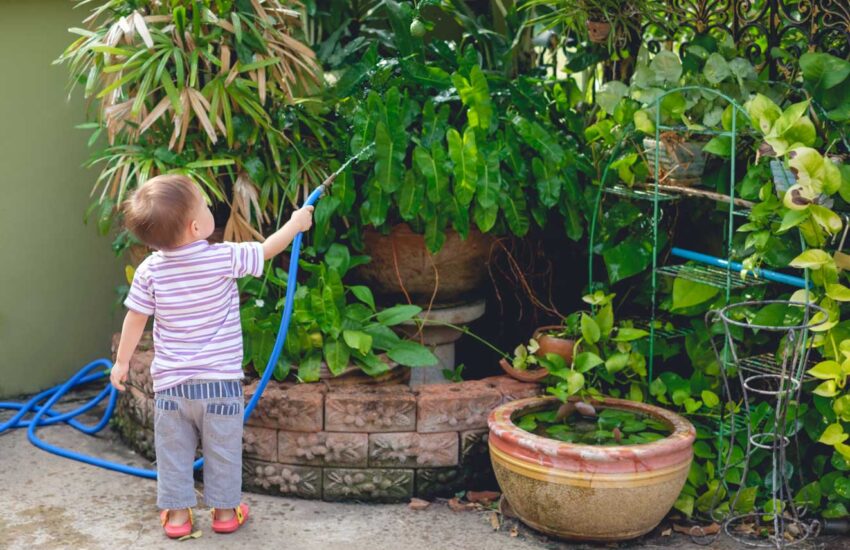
(53, 503)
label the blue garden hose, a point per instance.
(44, 415)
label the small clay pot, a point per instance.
(531, 375)
(598, 31)
(554, 344)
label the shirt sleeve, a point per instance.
(140, 298)
(246, 259)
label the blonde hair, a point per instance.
(158, 212)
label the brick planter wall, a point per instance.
(371, 443)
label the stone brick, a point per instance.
(512, 389)
(476, 468)
(282, 479)
(323, 448)
(260, 443)
(297, 408)
(370, 409)
(455, 407)
(138, 405)
(414, 450)
(439, 482)
(372, 484)
(473, 447)
(138, 437)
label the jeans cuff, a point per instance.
(177, 505)
(221, 504)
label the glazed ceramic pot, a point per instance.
(589, 492)
(402, 266)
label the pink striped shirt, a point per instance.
(191, 292)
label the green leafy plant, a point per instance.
(706, 63)
(206, 89)
(605, 359)
(332, 323)
(581, 19)
(485, 157)
(608, 427)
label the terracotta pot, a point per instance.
(531, 375)
(589, 492)
(680, 163)
(461, 265)
(598, 31)
(554, 344)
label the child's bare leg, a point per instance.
(224, 514)
(178, 517)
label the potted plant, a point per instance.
(688, 115)
(461, 156)
(606, 22)
(585, 340)
(337, 332)
(205, 89)
(583, 466)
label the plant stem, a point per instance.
(466, 331)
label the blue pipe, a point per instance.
(737, 267)
(44, 415)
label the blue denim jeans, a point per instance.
(209, 411)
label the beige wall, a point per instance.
(57, 275)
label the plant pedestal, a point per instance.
(441, 339)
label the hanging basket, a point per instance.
(681, 163)
(598, 31)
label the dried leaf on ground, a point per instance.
(483, 497)
(514, 531)
(494, 521)
(193, 535)
(418, 504)
(667, 532)
(458, 506)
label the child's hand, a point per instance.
(118, 375)
(303, 218)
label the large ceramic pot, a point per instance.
(401, 259)
(589, 492)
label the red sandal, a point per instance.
(176, 531)
(232, 524)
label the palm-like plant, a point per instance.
(206, 88)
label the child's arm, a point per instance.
(131, 332)
(301, 220)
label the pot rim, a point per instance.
(502, 428)
(539, 332)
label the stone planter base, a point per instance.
(369, 443)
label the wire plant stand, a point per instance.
(659, 193)
(778, 380)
